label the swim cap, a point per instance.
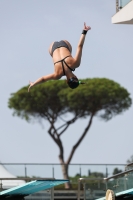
(73, 82)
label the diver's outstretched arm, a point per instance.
(80, 45)
(44, 79)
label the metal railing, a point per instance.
(118, 175)
(120, 182)
(130, 165)
(89, 188)
(53, 170)
(96, 188)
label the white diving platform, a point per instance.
(124, 15)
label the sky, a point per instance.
(27, 28)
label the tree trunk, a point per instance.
(64, 165)
(65, 175)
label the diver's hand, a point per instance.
(31, 85)
(86, 28)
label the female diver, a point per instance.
(64, 63)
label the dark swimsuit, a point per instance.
(57, 45)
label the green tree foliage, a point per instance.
(129, 163)
(116, 171)
(54, 99)
(130, 160)
(96, 175)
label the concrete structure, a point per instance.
(124, 12)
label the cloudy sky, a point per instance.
(27, 28)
